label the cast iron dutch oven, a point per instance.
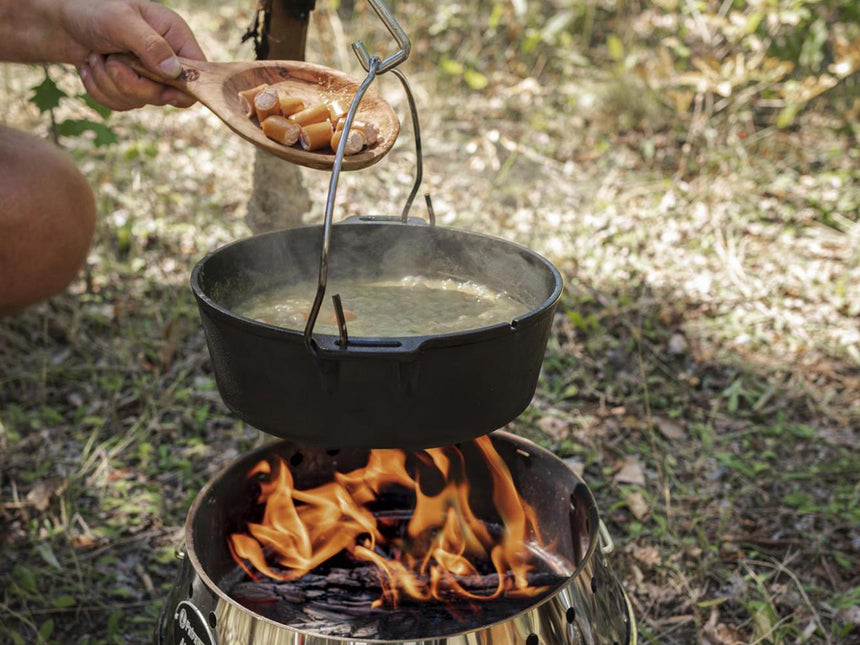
(412, 392)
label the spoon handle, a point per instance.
(190, 72)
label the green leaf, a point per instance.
(787, 114)
(556, 25)
(845, 563)
(113, 623)
(578, 321)
(46, 95)
(712, 603)
(732, 394)
(475, 80)
(496, 15)
(17, 638)
(95, 105)
(64, 601)
(451, 67)
(531, 41)
(76, 127)
(753, 21)
(812, 49)
(25, 578)
(802, 431)
(46, 629)
(47, 554)
(616, 47)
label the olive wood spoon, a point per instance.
(217, 86)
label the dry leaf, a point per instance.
(648, 555)
(83, 541)
(145, 579)
(669, 428)
(850, 614)
(40, 495)
(631, 472)
(637, 504)
(724, 634)
(678, 344)
(558, 429)
(575, 465)
(172, 335)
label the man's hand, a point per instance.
(155, 34)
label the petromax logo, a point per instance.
(189, 627)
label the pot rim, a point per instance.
(409, 343)
(519, 442)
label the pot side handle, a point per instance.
(330, 347)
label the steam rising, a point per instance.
(376, 252)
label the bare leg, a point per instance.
(47, 219)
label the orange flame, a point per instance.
(302, 529)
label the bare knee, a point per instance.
(47, 219)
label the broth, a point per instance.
(411, 306)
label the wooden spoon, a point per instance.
(217, 86)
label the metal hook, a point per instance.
(395, 30)
(341, 320)
(607, 544)
(430, 212)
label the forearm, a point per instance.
(33, 31)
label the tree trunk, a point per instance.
(279, 199)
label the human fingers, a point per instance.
(173, 29)
(118, 87)
(122, 85)
(96, 92)
(123, 26)
(140, 91)
(177, 98)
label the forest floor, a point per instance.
(703, 373)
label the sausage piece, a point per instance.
(313, 114)
(289, 104)
(371, 134)
(281, 129)
(354, 141)
(316, 135)
(266, 104)
(246, 97)
(337, 109)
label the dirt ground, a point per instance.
(703, 374)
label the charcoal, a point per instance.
(339, 604)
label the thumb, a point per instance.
(147, 44)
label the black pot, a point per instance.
(416, 391)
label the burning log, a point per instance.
(361, 585)
(341, 603)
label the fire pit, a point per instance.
(492, 541)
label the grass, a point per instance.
(707, 342)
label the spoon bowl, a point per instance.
(217, 86)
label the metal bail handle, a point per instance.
(395, 30)
(374, 66)
(329, 208)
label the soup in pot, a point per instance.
(411, 306)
